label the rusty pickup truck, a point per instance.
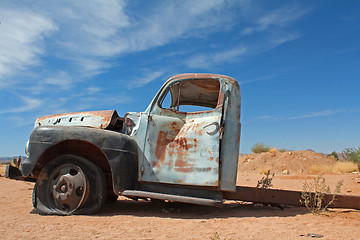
(184, 148)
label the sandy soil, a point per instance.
(127, 219)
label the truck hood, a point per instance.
(97, 119)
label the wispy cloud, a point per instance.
(242, 82)
(307, 115)
(86, 36)
(83, 38)
(276, 18)
(22, 40)
(27, 104)
(216, 58)
(284, 38)
(144, 80)
(60, 79)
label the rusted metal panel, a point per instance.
(202, 75)
(183, 152)
(230, 141)
(183, 147)
(95, 119)
(286, 197)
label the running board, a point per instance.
(286, 197)
(175, 198)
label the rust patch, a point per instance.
(161, 144)
(175, 126)
(181, 163)
(207, 84)
(97, 119)
(220, 99)
(182, 142)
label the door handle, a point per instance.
(217, 127)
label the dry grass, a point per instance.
(273, 150)
(338, 167)
(264, 169)
(345, 167)
(321, 168)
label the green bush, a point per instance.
(314, 192)
(334, 154)
(352, 154)
(259, 148)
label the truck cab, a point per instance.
(184, 147)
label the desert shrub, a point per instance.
(260, 148)
(266, 181)
(282, 150)
(314, 192)
(352, 154)
(334, 154)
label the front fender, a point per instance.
(120, 150)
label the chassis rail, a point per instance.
(286, 197)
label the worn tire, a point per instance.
(69, 185)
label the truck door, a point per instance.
(183, 134)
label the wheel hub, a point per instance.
(68, 187)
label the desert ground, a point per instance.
(127, 219)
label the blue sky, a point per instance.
(297, 62)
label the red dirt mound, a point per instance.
(285, 162)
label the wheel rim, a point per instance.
(68, 187)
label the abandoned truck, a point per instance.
(81, 159)
(184, 148)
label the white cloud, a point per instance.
(317, 114)
(255, 79)
(22, 40)
(92, 90)
(60, 80)
(140, 82)
(216, 58)
(284, 38)
(307, 115)
(275, 19)
(175, 20)
(27, 105)
(89, 34)
(85, 36)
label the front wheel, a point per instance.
(70, 185)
